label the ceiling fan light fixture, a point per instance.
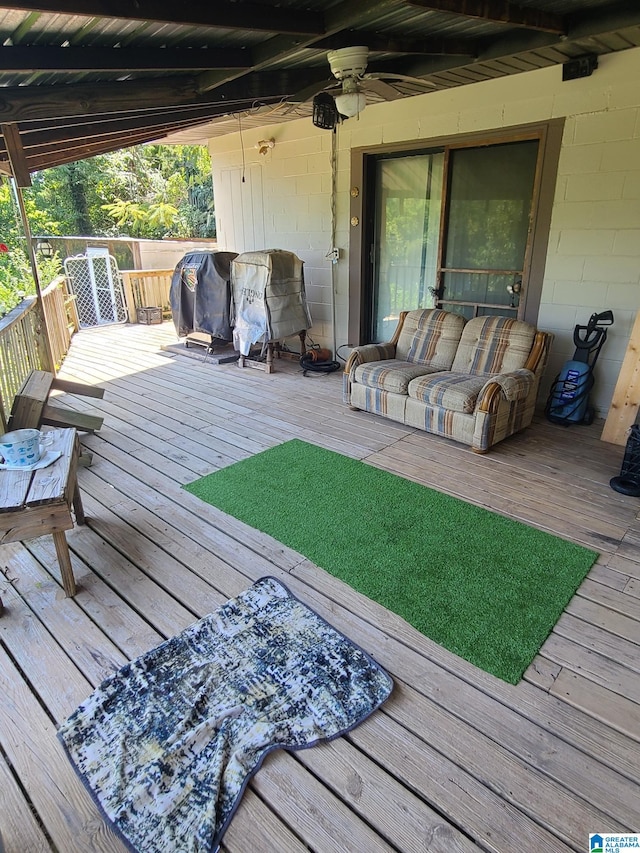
(349, 104)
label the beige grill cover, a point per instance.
(268, 297)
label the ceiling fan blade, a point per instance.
(310, 91)
(380, 88)
(401, 78)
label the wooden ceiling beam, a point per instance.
(65, 136)
(16, 155)
(217, 15)
(66, 132)
(497, 12)
(593, 23)
(22, 103)
(89, 147)
(58, 156)
(72, 155)
(588, 23)
(38, 103)
(36, 59)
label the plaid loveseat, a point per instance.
(475, 382)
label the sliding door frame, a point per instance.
(362, 207)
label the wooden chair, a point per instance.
(31, 407)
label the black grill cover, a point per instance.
(200, 294)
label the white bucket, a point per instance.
(20, 448)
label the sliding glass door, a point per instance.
(487, 227)
(451, 228)
(404, 253)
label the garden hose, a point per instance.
(318, 361)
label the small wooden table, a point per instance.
(35, 503)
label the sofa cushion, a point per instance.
(439, 421)
(493, 345)
(430, 336)
(390, 375)
(457, 392)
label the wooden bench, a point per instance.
(36, 503)
(31, 407)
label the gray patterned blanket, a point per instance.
(168, 743)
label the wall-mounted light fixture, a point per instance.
(44, 248)
(265, 145)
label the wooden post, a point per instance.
(48, 353)
(626, 397)
(129, 295)
(3, 415)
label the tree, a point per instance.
(148, 191)
(71, 194)
(16, 279)
(159, 191)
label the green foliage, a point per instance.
(149, 191)
(70, 192)
(140, 217)
(16, 279)
(156, 191)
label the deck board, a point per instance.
(456, 760)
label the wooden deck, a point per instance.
(456, 760)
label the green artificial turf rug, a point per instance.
(486, 587)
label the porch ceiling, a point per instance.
(84, 77)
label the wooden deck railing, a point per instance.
(22, 347)
(146, 288)
(62, 317)
(22, 342)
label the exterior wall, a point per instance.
(284, 202)
(593, 257)
(165, 254)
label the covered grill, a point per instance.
(269, 302)
(200, 294)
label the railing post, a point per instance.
(128, 295)
(3, 415)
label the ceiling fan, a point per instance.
(348, 65)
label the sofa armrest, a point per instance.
(363, 355)
(513, 386)
(539, 354)
(506, 404)
(369, 352)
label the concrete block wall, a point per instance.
(290, 193)
(593, 262)
(593, 257)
